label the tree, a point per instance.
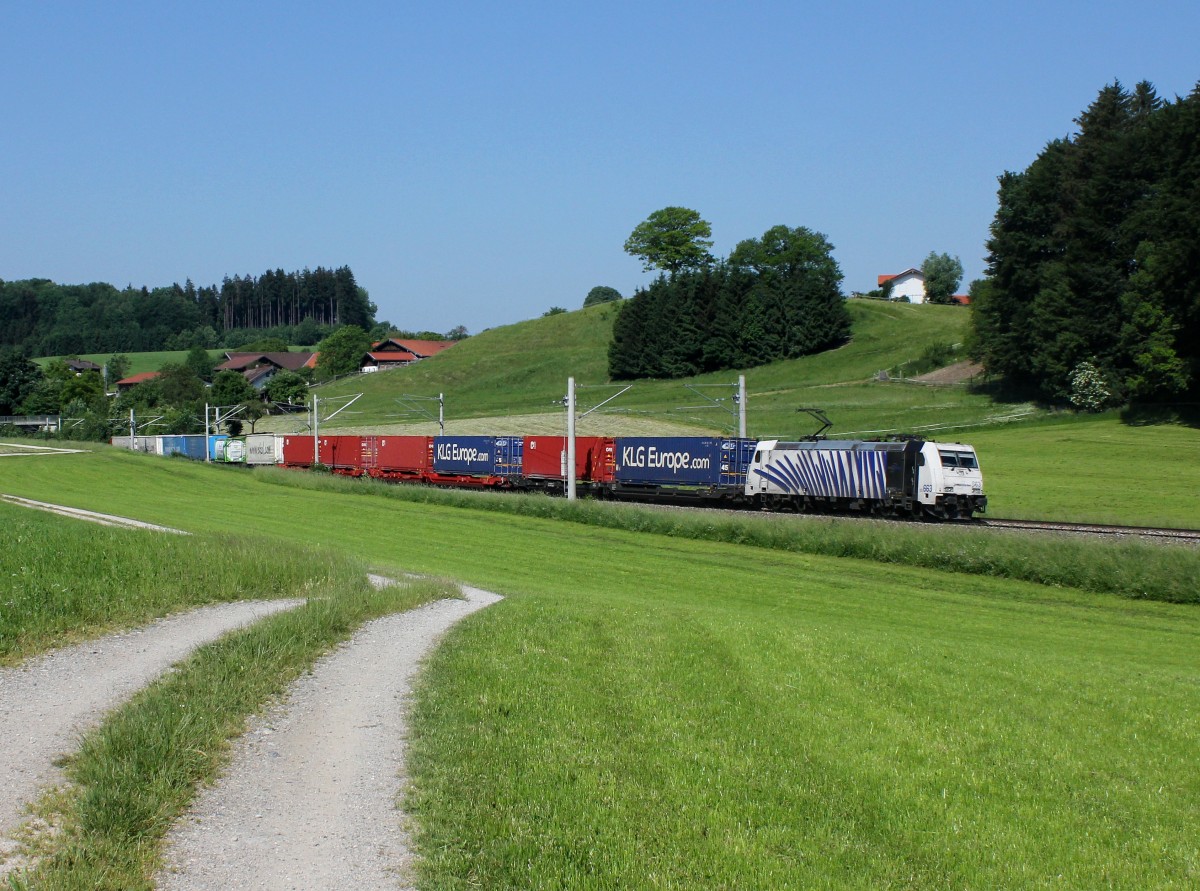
(253, 410)
(117, 368)
(200, 362)
(1093, 255)
(601, 294)
(342, 351)
(553, 311)
(86, 388)
(672, 239)
(287, 387)
(230, 388)
(19, 376)
(943, 274)
(458, 332)
(179, 386)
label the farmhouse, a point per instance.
(79, 366)
(258, 368)
(910, 283)
(395, 352)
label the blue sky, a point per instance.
(478, 163)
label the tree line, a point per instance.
(1092, 292)
(43, 318)
(775, 297)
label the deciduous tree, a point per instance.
(342, 351)
(672, 239)
(601, 294)
(943, 274)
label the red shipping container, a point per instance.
(342, 454)
(298, 451)
(545, 458)
(401, 457)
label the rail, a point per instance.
(1189, 535)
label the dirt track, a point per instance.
(310, 800)
(48, 702)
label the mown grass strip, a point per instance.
(137, 774)
(1130, 569)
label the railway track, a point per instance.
(1183, 535)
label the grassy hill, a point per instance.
(508, 380)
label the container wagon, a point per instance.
(681, 467)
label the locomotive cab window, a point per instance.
(958, 459)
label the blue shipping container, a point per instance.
(478, 455)
(683, 461)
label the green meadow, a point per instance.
(665, 706)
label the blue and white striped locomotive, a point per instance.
(907, 478)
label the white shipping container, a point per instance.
(263, 448)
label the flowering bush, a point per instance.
(1089, 390)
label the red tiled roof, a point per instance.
(393, 356)
(138, 378)
(913, 269)
(420, 348)
(242, 361)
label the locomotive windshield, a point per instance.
(958, 459)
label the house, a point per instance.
(128, 383)
(910, 283)
(395, 352)
(258, 368)
(79, 366)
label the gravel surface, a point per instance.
(310, 798)
(48, 702)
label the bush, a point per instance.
(1089, 390)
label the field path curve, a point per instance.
(47, 702)
(310, 798)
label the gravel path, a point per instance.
(46, 703)
(310, 798)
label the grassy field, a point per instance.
(646, 710)
(1093, 469)
(139, 362)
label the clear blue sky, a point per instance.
(478, 163)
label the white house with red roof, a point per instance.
(910, 283)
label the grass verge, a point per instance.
(65, 580)
(138, 773)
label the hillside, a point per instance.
(508, 380)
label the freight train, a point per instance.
(907, 478)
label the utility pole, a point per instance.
(316, 451)
(741, 401)
(570, 468)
